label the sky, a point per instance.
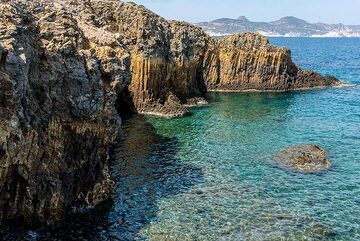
(327, 11)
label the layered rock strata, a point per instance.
(69, 68)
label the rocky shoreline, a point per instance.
(69, 69)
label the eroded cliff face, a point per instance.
(248, 62)
(166, 59)
(173, 63)
(163, 84)
(58, 116)
(67, 68)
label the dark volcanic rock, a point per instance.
(304, 158)
(57, 115)
(67, 68)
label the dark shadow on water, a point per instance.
(145, 169)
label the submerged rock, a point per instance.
(304, 158)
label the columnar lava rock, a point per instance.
(248, 62)
(67, 68)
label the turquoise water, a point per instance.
(209, 176)
(213, 178)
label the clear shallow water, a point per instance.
(209, 176)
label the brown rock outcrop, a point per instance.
(68, 67)
(248, 62)
(176, 59)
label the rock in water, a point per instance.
(68, 68)
(304, 158)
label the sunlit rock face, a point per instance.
(248, 62)
(172, 63)
(67, 68)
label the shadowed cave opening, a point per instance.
(124, 104)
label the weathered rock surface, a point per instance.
(67, 68)
(304, 158)
(248, 62)
(58, 116)
(173, 62)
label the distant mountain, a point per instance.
(284, 27)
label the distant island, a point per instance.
(284, 27)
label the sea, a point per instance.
(210, 175)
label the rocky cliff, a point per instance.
(58, 91)
(68, 69)
(248, 62)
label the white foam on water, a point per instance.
(344, 84)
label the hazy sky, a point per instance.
(328, 11)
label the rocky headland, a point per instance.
(69, 69)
